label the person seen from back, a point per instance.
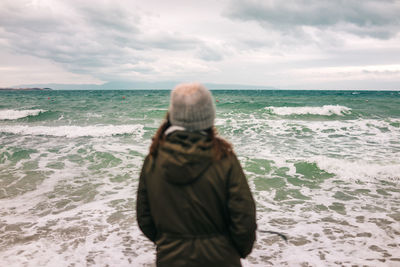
(193, 199)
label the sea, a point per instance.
(323, 166)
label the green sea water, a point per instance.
(324, 168)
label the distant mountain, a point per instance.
(136, 85)
(25, 89)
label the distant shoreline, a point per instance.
(26, 89)
(212, 89)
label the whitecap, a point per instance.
(73, 131)
(359, 169)
(326, 110)
(11, 114)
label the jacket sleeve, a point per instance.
(143, 215)
(242, 210)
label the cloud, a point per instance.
(276, 43)
(96, 38)
(76, 38)
(209, 53)
(370, 18)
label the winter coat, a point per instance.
(198, 211)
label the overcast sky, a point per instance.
(291, 44)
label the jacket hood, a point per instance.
(184, 156)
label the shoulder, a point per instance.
(228, 162)
(230, 157)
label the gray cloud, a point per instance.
(209, 54)
(110, 17)
(87, 38)
(382, 73)
(168, 41)
(143, 69)
(377, 19)
(79, 41)
(257, 42)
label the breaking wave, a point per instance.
(11, 114)
(326, 110)
(74, 131)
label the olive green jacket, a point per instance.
(198, 211)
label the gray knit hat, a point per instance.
(192, 107)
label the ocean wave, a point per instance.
(11, 114)
(74, 131)
(326, 110)
(359, 169)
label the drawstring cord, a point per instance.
(284, 237)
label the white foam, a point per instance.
(93, 115)
(363, 150)
(359, 169)
(326, 110)
(11, 114)
(74, 131)
(350, 139)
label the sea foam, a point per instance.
(326, 110)
(330, 185)
(74, 131)
(11, 114)
(361, 169)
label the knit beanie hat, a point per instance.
(192, 107)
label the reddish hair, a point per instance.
(159, 137)
(221, 148)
